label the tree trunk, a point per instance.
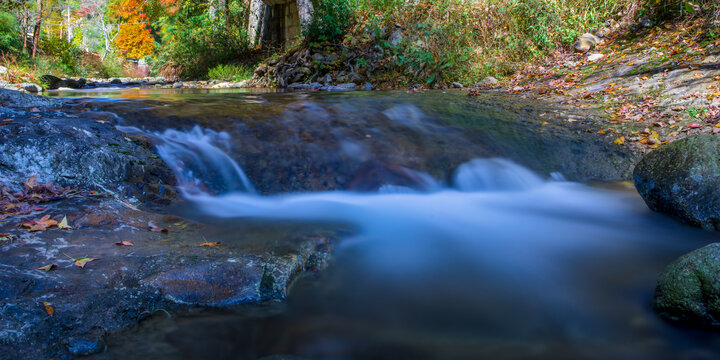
(38, 25)
(305, 12)
(223, 9)
(70, 28)
(24, 28)
(255, 22)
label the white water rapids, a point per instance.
(500, 253)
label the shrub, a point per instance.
(10, 34)
(330, 21)
(232, 72)
(60, 55)
(194, 42)
(675, 9)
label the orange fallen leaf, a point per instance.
(620, 140)
(81, 262)
(49, 309)
(39, 225)
(124, 243)
(544, 123)
(211, 244)
(47, 267)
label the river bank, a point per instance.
(655, 83)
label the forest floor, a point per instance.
(656, 84)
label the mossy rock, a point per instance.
(682, 180)
(689, 289)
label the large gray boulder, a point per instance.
(682, 180)
(689, 289)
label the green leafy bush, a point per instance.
(193, 41)
(10, 34)
(330, 21)
(61, 55)
(232, 72)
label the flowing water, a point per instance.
(462, 236)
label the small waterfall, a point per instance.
(494, 174)
(200, 166)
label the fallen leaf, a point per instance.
(124, 243)
(47, 267)
(49, 309)
(211, 244)
(620, 140)
(154, 228)
(80, 262)
(694, 125)
(544, 123)
(63, 225)
(39, 225)
(31, 183)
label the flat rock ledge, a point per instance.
(162, 273)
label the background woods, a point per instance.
(425, 41)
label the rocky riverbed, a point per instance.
(112, 242)
(99, 254)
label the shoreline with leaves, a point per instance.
(654, 84)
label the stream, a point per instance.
(468, 230)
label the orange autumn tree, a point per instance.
(134, 38)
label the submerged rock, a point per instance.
(689, 289)
(681, 179)
(248, 279)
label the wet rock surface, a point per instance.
(682, 178)
(284, 142)
(160, 273)
(16, 99)
(689, 289)
(68, 310)
(72, 146)
(360, 141)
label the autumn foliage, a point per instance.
(135, 39)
